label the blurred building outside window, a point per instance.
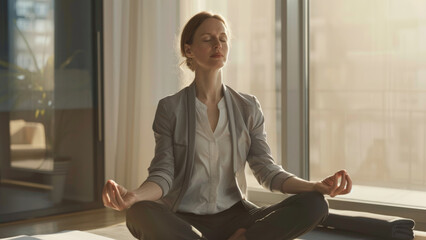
(368, 97)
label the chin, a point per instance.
(219, 65)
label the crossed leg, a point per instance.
(288, 219)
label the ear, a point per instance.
(188, 51)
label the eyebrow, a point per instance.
(223, 33)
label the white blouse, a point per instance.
(212, 188)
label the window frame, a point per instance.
(295, 117)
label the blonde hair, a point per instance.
(188, 32)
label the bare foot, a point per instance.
(238, 235)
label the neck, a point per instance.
(208, 86)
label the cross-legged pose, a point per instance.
(205, 134)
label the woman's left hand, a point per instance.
(331, 186)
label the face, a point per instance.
(209, 49)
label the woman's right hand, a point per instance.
(117, 197)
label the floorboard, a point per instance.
(82, 221)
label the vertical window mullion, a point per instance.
(294, 97)
(305, 87)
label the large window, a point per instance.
(367, 94)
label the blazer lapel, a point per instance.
(231, 120)
(235, 123)
(191, 127)
(189, 163)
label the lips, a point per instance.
(216, 55)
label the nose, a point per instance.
(217, 44)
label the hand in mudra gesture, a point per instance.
(331, 186)
(116, 196)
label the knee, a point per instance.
(314, 206)
(139, 217)
(140, 210)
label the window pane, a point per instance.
(368, 95)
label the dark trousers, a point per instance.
(288, 219)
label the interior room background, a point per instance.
(341, 83)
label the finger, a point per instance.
(342, 185)
(106, 193)
(334, 185)
(348, 185)
(119, 199)
(328, 181)
(113, 200)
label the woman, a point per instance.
(204, 136)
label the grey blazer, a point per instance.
(174, 131)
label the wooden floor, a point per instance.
(82, 221)
(103, 217)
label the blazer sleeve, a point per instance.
(161, 170)
(259, 157)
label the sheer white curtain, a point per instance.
(140, 67)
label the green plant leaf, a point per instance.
(12, 66)
(28, 46)
(70, 58)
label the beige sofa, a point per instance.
(27, 140)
